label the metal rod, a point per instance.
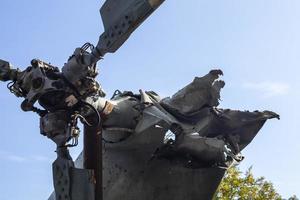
(93, 156)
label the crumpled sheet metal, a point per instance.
(195, 107)
(204, 131)
(202, 92)
(239, 126)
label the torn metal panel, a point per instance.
(202, 92)
(239, 127)
(208, 150)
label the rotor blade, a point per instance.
(120, 18)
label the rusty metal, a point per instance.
(92, 152)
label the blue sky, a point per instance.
(256, 43)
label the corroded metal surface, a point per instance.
(93, 157)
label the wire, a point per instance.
(95, 110)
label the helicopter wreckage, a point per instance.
(176, 148)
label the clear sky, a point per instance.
(256, 43)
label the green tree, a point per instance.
(237, 185)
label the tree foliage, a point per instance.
(237, 185)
